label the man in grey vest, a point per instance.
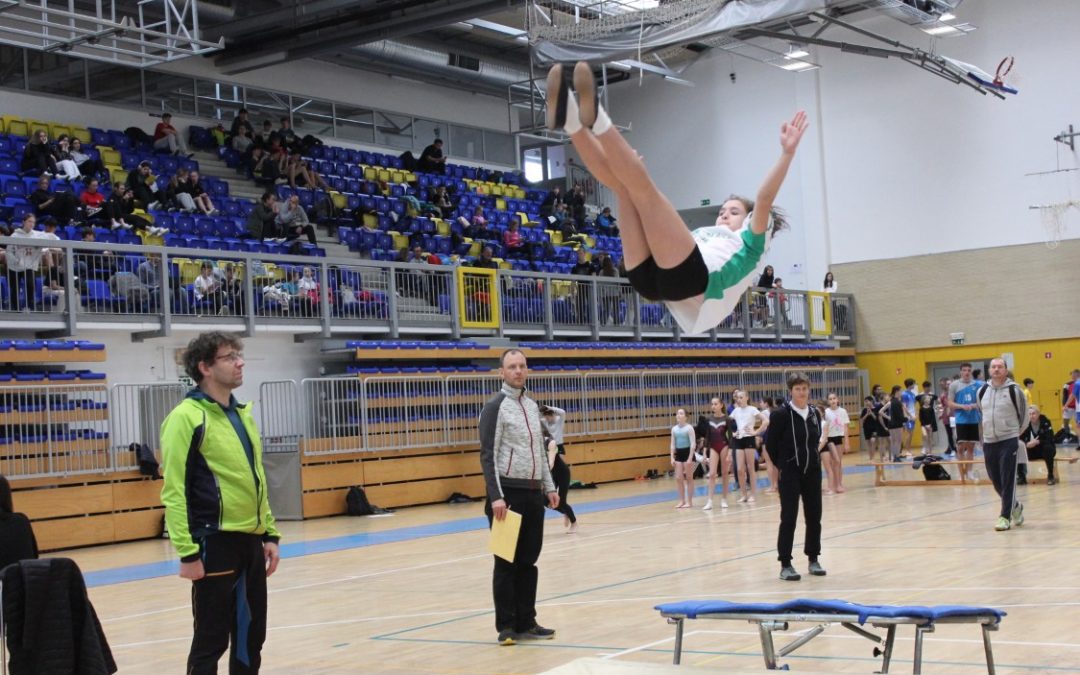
(1003, 405)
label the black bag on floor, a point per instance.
(356, 502)
(933, 471)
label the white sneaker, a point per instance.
(163, 230)
(723, 503)
(742, 499)
(115, 226)
(126, 226)
(750, 499)
(708, 506)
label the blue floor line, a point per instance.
(117, 575)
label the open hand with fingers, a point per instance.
(791, 132)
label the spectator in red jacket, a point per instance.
(166, 137)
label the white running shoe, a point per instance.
(708, 506)
(750, 499)
(723, 503)
(742, 499)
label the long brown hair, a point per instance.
(779, 218)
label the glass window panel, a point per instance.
(220, 101)
(355, 124)
(426, 131)
(115, 83)
(11, 67)
(500, 147)
(170, 93)
(394, 131)
(466, 143)
(556, 161)
(266, 105)
(533, 161)
(313, 117)
(57, 74)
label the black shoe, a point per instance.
(1051, 481)
(537, 632)
(506, 637)
(816, 569)
(585, 86)
(557, 91)
(788, 573)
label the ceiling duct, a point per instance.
(437, 62)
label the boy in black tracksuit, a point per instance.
(794, 437)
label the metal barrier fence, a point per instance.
(350, 414)
(280, 415)
(54, 430)
(71, 282)
(137, 413)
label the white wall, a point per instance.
(897, 162)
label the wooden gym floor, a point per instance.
(410, 593)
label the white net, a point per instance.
(1054, 219)
(608, 16)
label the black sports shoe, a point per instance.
(558, 88)
(816, 569)
(506, 637)
(585, 86)
(537, 632)
(788, 573)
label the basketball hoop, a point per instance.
(1053, 219)
(1003, 69)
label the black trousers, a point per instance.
(561, 474)
(1049, 453)
(302, 230)
(1000, 458)
(796, 484)
(229, 605)
(514, 584)
(949, 434)
(24, 278)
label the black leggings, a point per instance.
(560, 473)
(686, 280)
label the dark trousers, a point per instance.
(796, 484)
(1000, 458)
(302, 230)
(1049, 453)
(514, 584)
(24, 278)
(229, 605)
(561, 474)
(949, 434)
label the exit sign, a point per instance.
(956, 338)
(706, 202)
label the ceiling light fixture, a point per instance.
(796, 52)
(941, 30)
(947, 16)
(797, 66)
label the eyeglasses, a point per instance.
(232, 357)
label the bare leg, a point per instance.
(679, 484)
(689, 467)
(827, 464)
(635, 245)
(838, 464)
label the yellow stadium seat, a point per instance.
(442, 227)
(410, 177)
(81, 133)
(189, 269)
(371, 221)
(370, 173)
(117, 175)
(500, 203)
(151, 239)
(523, 217)
(384, 175)
(497, 190)
(109, 157)
(16, 126)
(503, 264)
(518, 193)
(340, 200)
(37, 125)
(474, 249)
(397, 176)
(400, 240)
(556, 237)
(58, 130)
(470, 183)
(589, 241)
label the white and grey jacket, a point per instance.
(512, 452)
(1004, 411)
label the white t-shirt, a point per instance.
(836, 422)
(744, 420)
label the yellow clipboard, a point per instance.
(504, 535)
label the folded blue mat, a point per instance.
(695, 608)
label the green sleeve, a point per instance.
(741, 264)
(177, 437)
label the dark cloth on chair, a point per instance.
(51, 625)
(17, 540)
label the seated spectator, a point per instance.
(575, 204)
(23, 263)
(88, 166)
(301, 174)
(176, 194)
(234, 290)
(560, 215)
(583, 267)
(486, 259)
(442, 202)
(198, 194)
(288, 137)
(166, 137)
(54, 261)
(17, 540)
(208, 289)
(37, 156)
(128, 285)
(241, 121)
(66, 167)
(292, 221)
(307, 291)
(476, 227)
(140, 182)
(242, 141)
(149, 273)
(553, 198)
(570, 232)
(120, 211)
(260, 167)
(267, 133)
(610, 294)
(432, 159)
(514, 241)
(63, 206)
(261, 223)
(606, 222)
(413, 283)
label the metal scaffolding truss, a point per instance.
(161, 31)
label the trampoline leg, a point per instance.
(989, 652)
(890, 640)
(679, 623)
(767, 648)
(919, 632)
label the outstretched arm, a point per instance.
(790, 135)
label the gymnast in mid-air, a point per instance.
(701, 274)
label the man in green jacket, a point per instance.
(216, 507)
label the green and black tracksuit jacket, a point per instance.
(214, 477)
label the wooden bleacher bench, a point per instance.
(881, 478)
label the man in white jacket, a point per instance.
(1003, 406)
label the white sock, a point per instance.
(573, 117)
(603, 122)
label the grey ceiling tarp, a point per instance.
(642, 37)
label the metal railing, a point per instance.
(54, 429)
(377, 413)
(86, 284)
